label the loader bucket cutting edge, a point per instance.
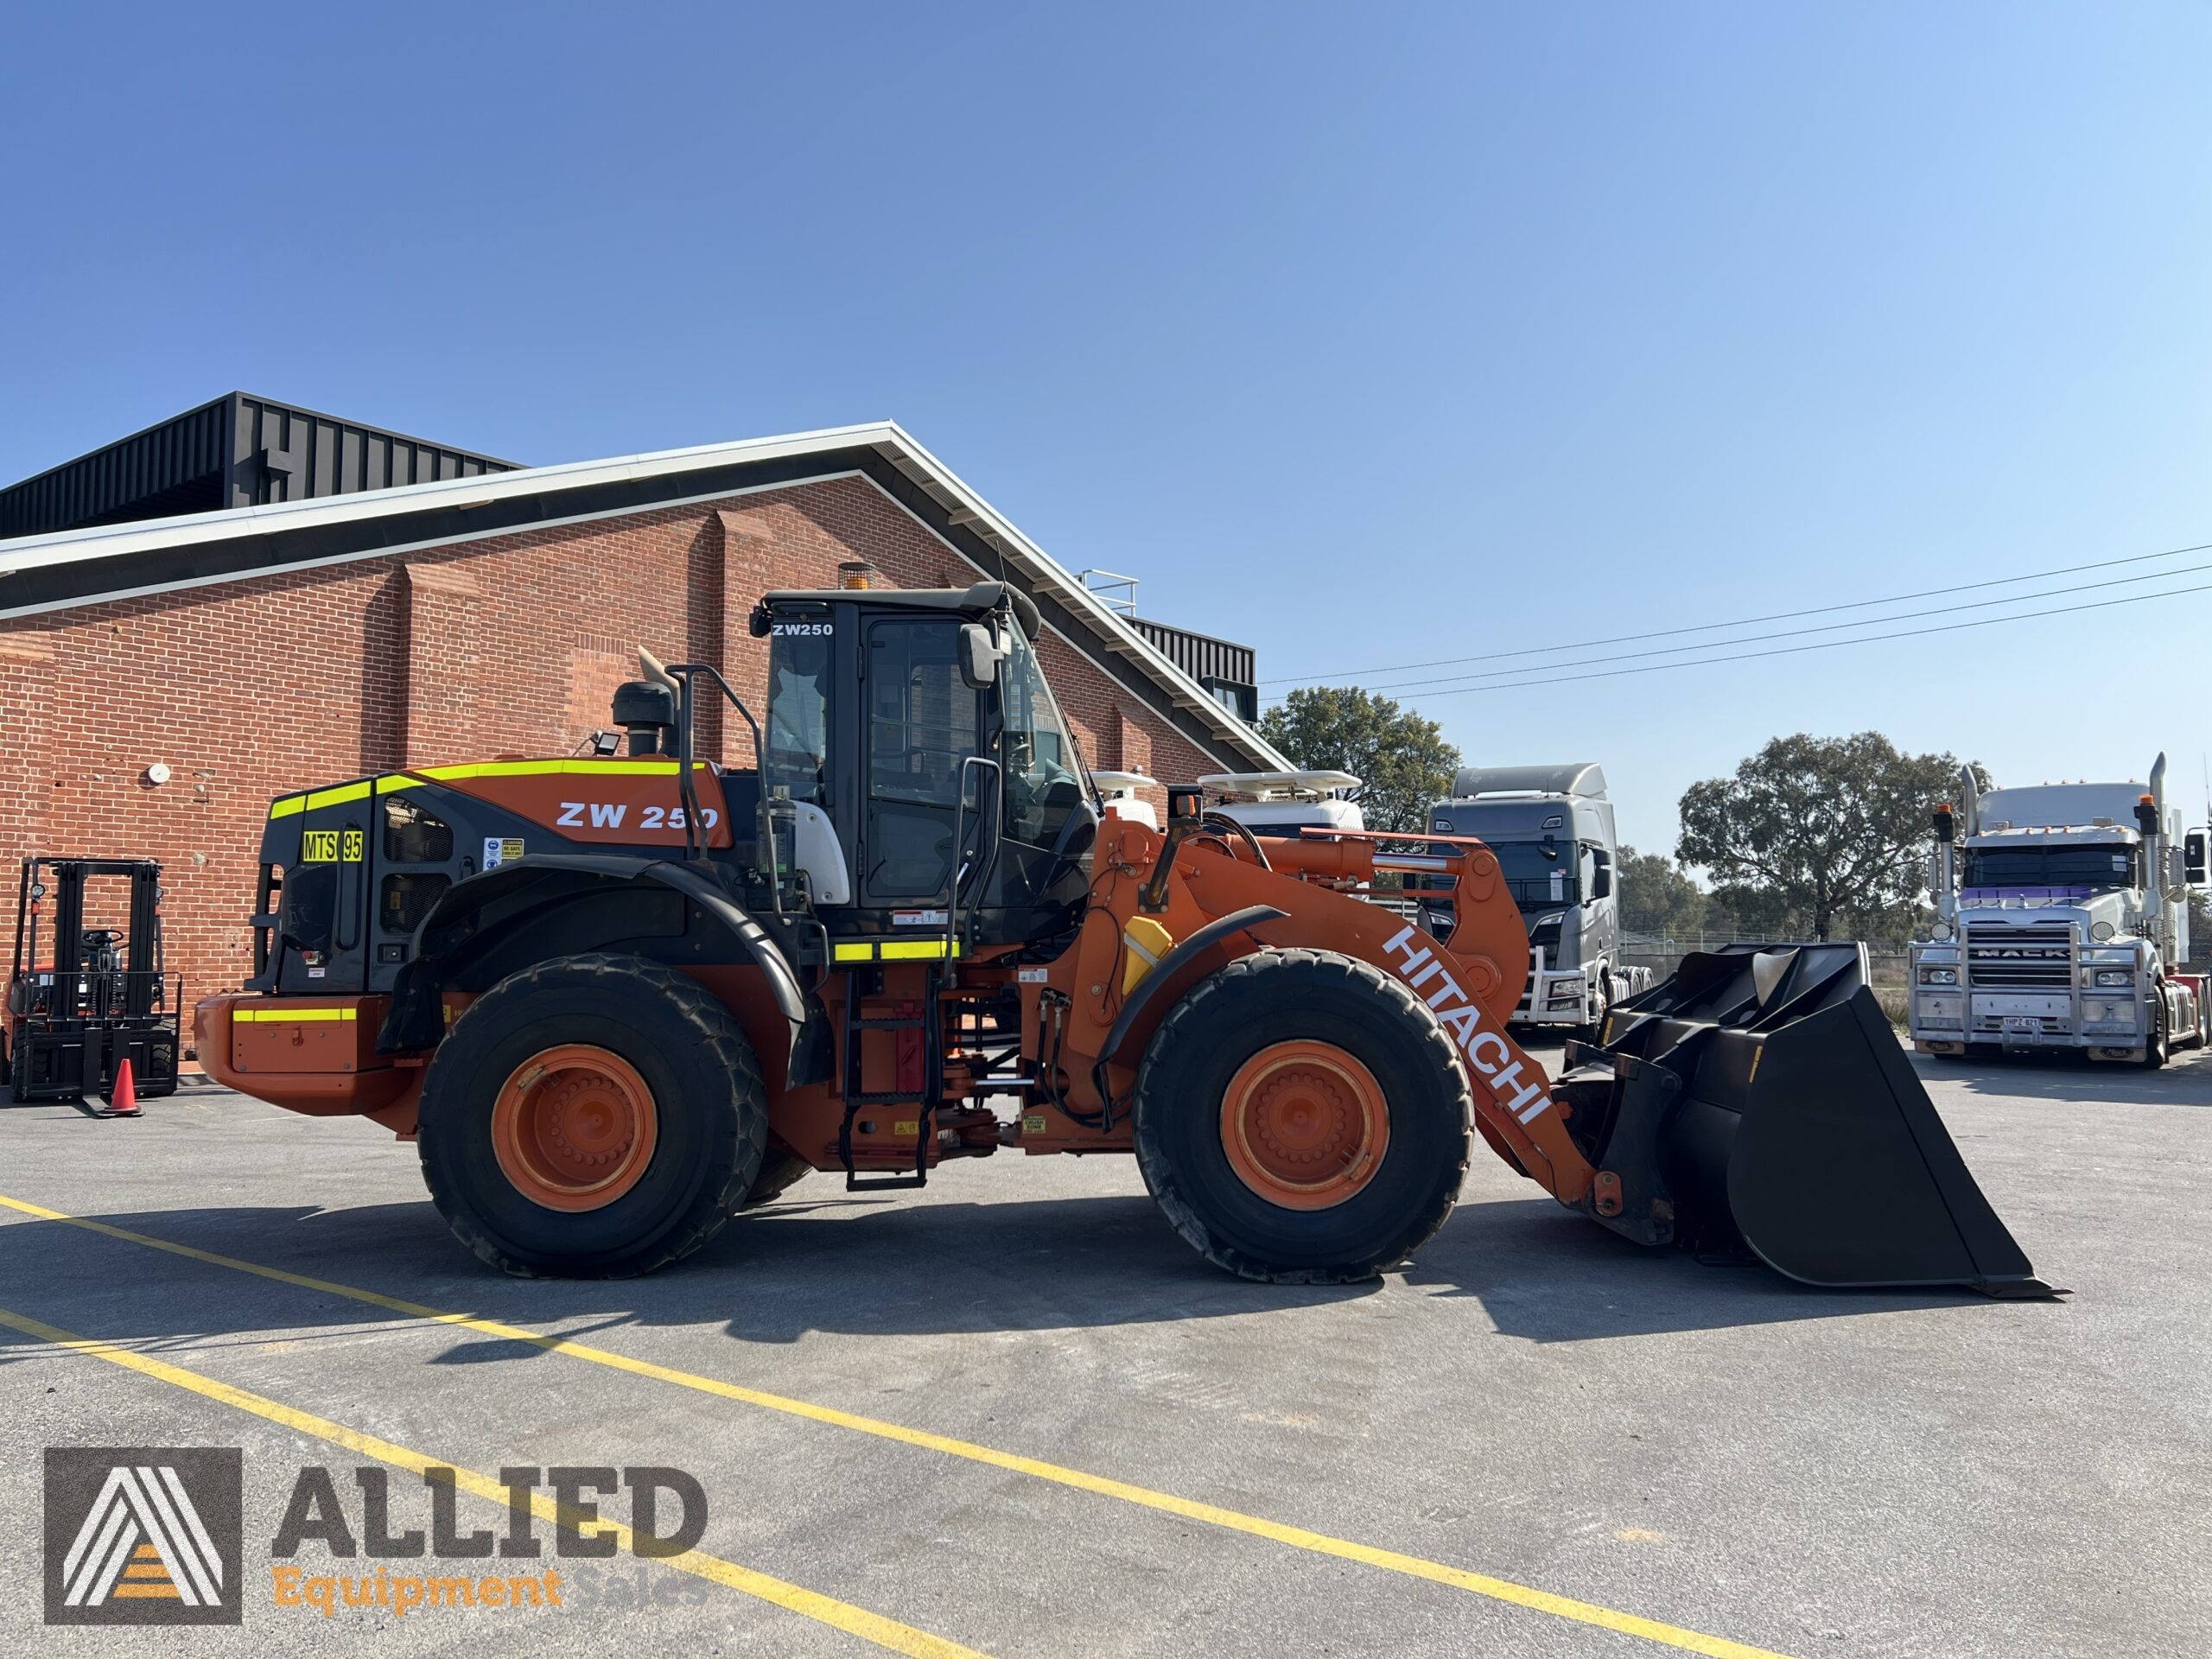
(1807, 1135)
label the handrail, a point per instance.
(959, 835)
(694, 845)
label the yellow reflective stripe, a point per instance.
(915, 950)
(290, 806)
(557, 768)
(892, 950)
(338, 796)
(286, 1016)
(392, 781)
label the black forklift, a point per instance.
(82, 999)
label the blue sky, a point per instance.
(1368, 335)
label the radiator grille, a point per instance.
(2038, 957)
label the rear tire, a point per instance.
(594, 1117)
(1302, 1118)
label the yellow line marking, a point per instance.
(338, 796)
(1480, 1584)
(290, 1016)
(856, 1621)
(290, 806)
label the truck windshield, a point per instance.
(2051, 867)
(1538, 874)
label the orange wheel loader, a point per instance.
(616, 1000)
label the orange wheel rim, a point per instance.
(574, 1128)
(1305, 1125)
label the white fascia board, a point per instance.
(76, 546)
(70, 546)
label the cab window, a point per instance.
(800, 669)
(922, 722)
(1043, 781)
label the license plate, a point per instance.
(2022, 1022)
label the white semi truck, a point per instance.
(2062, 922)
(1552, 829)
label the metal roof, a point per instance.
(39, 574)
(237, 451)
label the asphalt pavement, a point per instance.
(1015, 1415)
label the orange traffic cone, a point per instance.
(123, 1099)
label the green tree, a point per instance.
(1402, 762)
(1658, 896)
(1813, 828)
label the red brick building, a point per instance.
(371, 623)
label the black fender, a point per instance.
(526, 887)
(1155, 987)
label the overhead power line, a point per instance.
(1749, 621)
(1792, 633)
(1540, 678)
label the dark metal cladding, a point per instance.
(1225, 669)
(238, 451)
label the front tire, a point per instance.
(593, 1116)
(2154, 1045)
(1302, 1118)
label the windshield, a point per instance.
(1538, 873)
(1043, 775)
(2051, 867)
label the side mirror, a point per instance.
(979, 655)
(1601, 884)
(2193, 860)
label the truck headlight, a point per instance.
(2117, 978)
(1939, 976)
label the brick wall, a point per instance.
(505, 647)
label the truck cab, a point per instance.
(2061, 923)
(1551, 827)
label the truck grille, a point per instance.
(2038, 957)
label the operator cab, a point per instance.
(919, 773)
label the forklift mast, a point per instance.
(81, 999)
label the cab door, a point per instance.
(323, 919)
(920, 723)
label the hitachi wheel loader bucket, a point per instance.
(1758, 1099)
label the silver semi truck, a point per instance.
(1552, 829)
(2062, 922)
